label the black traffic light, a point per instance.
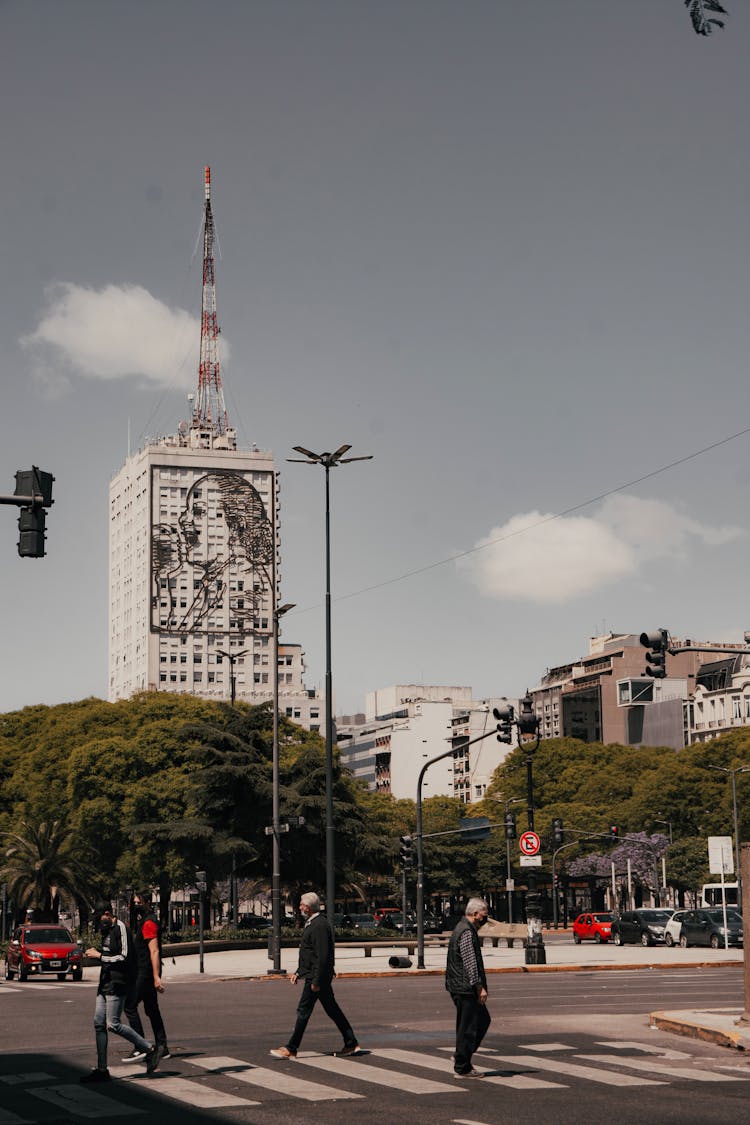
(504, 716)
(35, 482)
(528, 721)
(656, 660)
(31, 533)
(510, 825)
(406, 853)
(614, 832)
(557, 831)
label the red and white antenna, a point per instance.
(210, 411)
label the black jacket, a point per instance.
(316, 954)
(118, 961)
(456, 978)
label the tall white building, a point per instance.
(194, 554)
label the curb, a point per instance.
(663, 1021)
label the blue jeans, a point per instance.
(107, 1016)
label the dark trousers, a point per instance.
(144, 992)
(331, 1009)
(472, 1023)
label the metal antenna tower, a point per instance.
(210, 411)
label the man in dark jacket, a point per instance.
(466, 981)
(316, 969)
(116, 976)
(148, 983)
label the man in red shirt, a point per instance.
(148, 983)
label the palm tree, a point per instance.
(38, 862)
(702, 23)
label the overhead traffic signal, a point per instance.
(32, 495)
(656, 660)
(510, 825)
(557, 831)
(31, 533)
(505, 717)
(406, 853)
(528, 720)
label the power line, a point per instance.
(539, 523)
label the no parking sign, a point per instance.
(529, 843)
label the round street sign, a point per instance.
(529, 843)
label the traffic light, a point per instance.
(656, 660)
(406, 854)
(31, 533)
(504, 716)
(614, 832)
(35, 482)
(557, 831)
(528, 721)
(510, 825)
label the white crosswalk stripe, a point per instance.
(560, 1067)
(692, 1073)
(365, 1072)
(84, 1103)
(195, 1094)
(280, 1080)
(430, 1062)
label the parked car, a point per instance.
(43, 948)
(382, 912)
(645, 925)
(362, 921)
(704, 927)
(432, 924)
(592, 927)
(253, 922)
(397, 921)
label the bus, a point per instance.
(711, 895)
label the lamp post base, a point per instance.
(536, 954)
(276, 972)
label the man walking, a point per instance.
(148, 983)
(466, 981)
(116, 975)
(315, 968)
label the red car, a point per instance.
(43, 948)
(596, 927)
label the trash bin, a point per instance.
(399, 962)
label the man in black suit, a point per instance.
(315, 968)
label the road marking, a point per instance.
(279, 1079)
(548, 1047)
(31, 1076)
(194, 1093)
(8, 1118)
(647, 1048)
(693, 1073)
(363, 1072)
(559, 1066)
(83, 1102)
(514, 1081)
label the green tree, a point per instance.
(39, 863)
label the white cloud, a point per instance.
(116, 332)
(542, 558)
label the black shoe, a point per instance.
(96, 1075)
(134, 1056)
(167, 1054)
(154, 1057)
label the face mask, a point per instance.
(140, 909)
(105, 925)
(480, 921)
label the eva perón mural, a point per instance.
(211, 554)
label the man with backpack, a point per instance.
(116, 977)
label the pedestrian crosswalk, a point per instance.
(233, 1083)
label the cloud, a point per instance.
(547, 559)
(120, 331)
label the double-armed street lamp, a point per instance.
(278, 613)
(527, 727)
(232, 657)
(328, 461)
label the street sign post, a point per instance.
(721, 861)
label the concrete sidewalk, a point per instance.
(716, 1026)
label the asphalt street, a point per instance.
(561, 1045)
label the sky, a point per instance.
(500, 246)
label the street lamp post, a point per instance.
(328, 461)
(232, 657)
(528, 723)
(278, 612)
(733, 771)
